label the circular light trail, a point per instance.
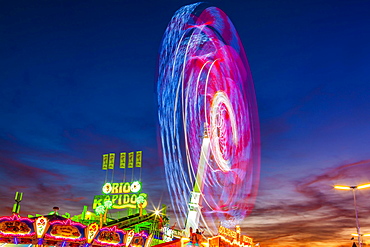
(206, 99)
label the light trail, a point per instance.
(205, 87)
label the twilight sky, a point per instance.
(78, 79)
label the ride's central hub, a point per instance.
(222, 125)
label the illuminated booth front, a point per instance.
(230, 238)
(54, 230)
(132, 226)
(225, 238)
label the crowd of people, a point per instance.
(195, 237)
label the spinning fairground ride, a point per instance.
(208, 121)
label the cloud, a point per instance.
(312, 213)
(75, 199)
(68, 174)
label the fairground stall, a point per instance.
(119, 216)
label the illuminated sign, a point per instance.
(122, 195)
(41, 224)
(229, 237)
(121, 188)
(226, 232)
(16, 226)
(129, 237)
(65, 231)
(91, 231)
(109, 237)
(246, 239)
(149, 240)
(137, 241)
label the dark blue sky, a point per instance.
(78, 79)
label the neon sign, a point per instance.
(230, 237)
(66, 230)
(226, 232)
(110, 237)
(16, 226)
(119, 188)
(129, 237)
(122, 195)
(41, 224)
(91, 231)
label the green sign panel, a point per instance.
(122, 195)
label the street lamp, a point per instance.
(353, 188)
(362, 235)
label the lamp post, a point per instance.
(353, 188)
(362, 236)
